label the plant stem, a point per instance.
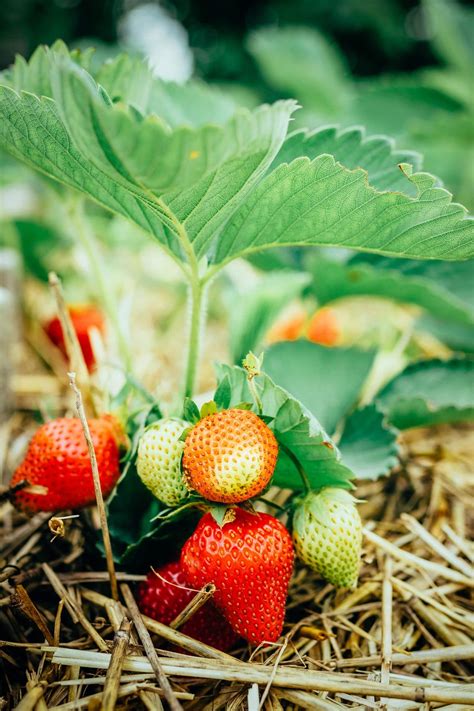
(107, 298)
(197, 304)
(298, 467)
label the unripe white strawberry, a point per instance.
(327, 533)
(159, 460)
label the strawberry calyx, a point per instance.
(222, 514)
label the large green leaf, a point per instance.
(34, 76)
(126, 162)
(368, 445)
(202, 192)
(320, 202)
(130, 80)
(442, 288)
(327, 381)
(350, 147)
(300, 435)
(258, 307)
(430, 392)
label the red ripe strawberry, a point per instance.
(83, 318)
(229, 456)
(164, 601)
(57, 459)
(250, 561)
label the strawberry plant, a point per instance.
(212, 183)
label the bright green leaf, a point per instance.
(375, 154)
(320, 202)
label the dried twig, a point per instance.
(194, 605)
(174, 636)
(149, 648)
(428, 656)
(22, 601)
(32, 697)
(97, 488)
(288, 677)
(437, 546)
(416, 561)
(112, 678)
(72, 607)
(71, 341)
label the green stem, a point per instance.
(197, 305)
(299, 468)
(107, 298)
(254, 391)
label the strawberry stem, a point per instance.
(299, 468)
(197, 308)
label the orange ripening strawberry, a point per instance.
(83, 318)
(324, 328)
(250, 561)
(229, 456)
(163, 597)
(289, 329)
(57, 460)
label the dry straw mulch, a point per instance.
(401, 640)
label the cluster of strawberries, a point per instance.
(229, 457)
(224, 460)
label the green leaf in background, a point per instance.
(394, 104)
(258, 307)
(442, 288)
(301, 62)
(368, 445)
(457, 336)
(320, 202)
(430, 392)
(301, 437)
(451, 26)
(39, 245)
(350, 146)
(328, 381)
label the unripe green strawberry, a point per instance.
(159, 460)
(327, 533)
